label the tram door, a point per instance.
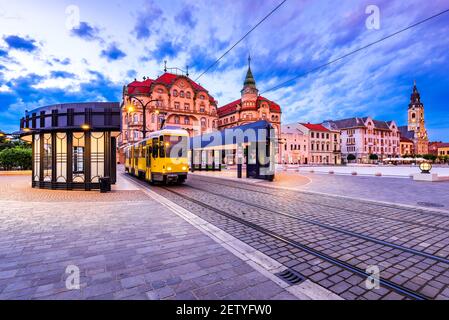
(148, 152)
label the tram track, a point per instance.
(358, 270)
(418, 211)
(298, 245)
(322, 225)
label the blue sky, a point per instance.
(44, 60)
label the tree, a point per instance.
(373, 157)
(351, 157)
(430, 157)
(17, 157)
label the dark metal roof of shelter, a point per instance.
(251, 132)
(103, 116)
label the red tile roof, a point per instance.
(229, 108)
(140, 86)
(315, 127)
(232, 107)
(170, 78)
(167, 79)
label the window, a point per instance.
(136, 118)
(155, 147)
(202, 97)
(186, 106)
(313, 135)
(176, 105)
(181, 94)
(78, 157)
(203, 122)
(175, 93)
(188, 95)
(186, 120)
(97, 156)
(177, 120)
(202, 108)
(160, 90)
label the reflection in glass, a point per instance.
(97, 156)
(47, 157)
(78, 157)
(61, 157)
(37, 157)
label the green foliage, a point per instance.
(351, 157)
(8, 144)
(373, 157)
(430, 157)
(17, 157)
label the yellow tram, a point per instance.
(162, 157)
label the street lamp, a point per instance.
(425, 167)
(144, 105)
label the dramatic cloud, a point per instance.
(113, 53)
(62, 74)
(166, 49)
(185, 17)
(134, 40)
(147, 18)
(19, 43)
(86, 32)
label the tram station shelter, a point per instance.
(251, 145)
(74, 145)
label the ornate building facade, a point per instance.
(250, 107)
(173, 99)
(176, 100)
(416, 127)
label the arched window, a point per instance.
(175, 93)
(188, 95)
(136, 118)
(181, 94)
(203, 123)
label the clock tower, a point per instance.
(416, 122)
(249, 91)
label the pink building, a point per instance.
(306, 143)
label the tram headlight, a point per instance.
(169, 168)
(184, 168)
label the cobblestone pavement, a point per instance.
(409, 246)
(394, 190)
(18, 188)
(125, 250)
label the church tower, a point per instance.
(416, 122)
(249, 91)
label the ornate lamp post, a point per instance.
(144, 109)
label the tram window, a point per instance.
(161, 147)
(175, 146)
(155, 148)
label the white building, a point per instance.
(362, 137)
